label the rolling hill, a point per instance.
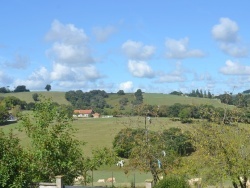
(113, 99)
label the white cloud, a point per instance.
(68, 34)
(178, 49)
(234, 50)
(102, 34)
(175, 76)
(19, 62)
(37, 80)
(126, 86)
(5, 79)
(234, 68)
(226, 33)
(61, 73)
(74, 55)
(137, 51)
(71, 56)
(140, 69)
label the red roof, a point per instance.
(83, 111)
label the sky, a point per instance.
(157, 46)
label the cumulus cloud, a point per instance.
(235, 68)
(140, 69)
(71, 56)
(226, 34)
(126, 86)
(103, 33)
(5, 79)
(175, 76)
(37, 80)
(178, 49)
(226, 30)
(137, 50)
(19, 62)
(66, 33)
(234, 50)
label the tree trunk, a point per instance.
(153, 172)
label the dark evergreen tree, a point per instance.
(48, 87)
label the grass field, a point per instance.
(100, 132)
(113, 99)
(58, 97)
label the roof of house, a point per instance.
(83, 111)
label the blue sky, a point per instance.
(157, 46)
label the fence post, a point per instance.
(59, 182)
(149, 183)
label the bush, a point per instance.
(172, 182)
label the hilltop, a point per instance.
(113, 99)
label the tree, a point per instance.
(21, 88)
(4, 114)
(149, 151)
(176, 93)
(4, 90)
(126, 140)
(48, 87)
(55, 151)
(14, 163)
(173, 181)
(178, 141)
(120, 92)
(35, 97)
(224, 152)
(103, 156)
(138, 97)
(185, 115)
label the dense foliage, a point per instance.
(48, 87)
(138, 97)
(54, 149)
(94, 99)
(15, 169)
(155, 152)
(21, 88)
(172, 182)
(4, 114)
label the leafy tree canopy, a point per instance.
(21, 88)
(54, 149)
(121, 92)
(14, 163)
(48, 87)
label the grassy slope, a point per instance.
(58, 97)
(101, 132)
(165, 99)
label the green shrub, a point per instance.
(172, 182)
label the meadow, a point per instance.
(100, 132)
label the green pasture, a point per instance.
(165, 99)
(58, 97)
(99, 133)
(113, 99)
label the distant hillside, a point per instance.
(58, 97)
(113, 99)
(166, 99)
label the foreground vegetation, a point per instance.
(218, 138)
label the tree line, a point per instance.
(20, 88)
